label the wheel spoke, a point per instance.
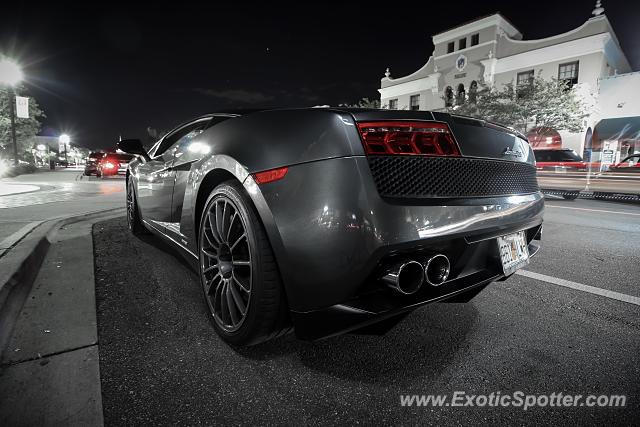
(231, 225)
(224, 310)
(238, 241)
(213, 245)
(218, 219)
(211, 267)
(231, 307)
(224, 213)
(240, 284)
(213, 234)
(209, 254)
(209, 283)
(237, 298)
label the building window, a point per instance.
(450, 47)
(460, 97)
(462, 43)
(475, 39)
(524, 81)
(448, 97)
(568, 73)
(414, 102)
(525, 78)
(393, 104)
(473, 92)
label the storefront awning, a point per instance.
(620, 128)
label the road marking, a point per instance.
(7, 189)
(593, 210)
(580, 287)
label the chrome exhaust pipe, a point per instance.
(436, 270)
(405, 277)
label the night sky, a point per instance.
(101, 72)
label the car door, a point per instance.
(189, 150)
(156, 178)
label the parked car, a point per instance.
(630, 164)
(332, 220)
(91, 165)
(559, 160)
(112, 164)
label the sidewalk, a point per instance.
(50, 369)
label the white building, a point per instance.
(491, 50)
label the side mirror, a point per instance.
(133, 146)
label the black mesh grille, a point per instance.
(451, 177)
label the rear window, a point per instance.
(556, 156)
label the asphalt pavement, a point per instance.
(161, 363)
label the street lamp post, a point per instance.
(11, 75)
(65, 140)
(13, 124)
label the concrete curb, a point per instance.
(20, 265)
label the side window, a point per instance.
(184, 143)
(170, 140)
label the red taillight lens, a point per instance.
(408, 138)
(270, 175)
(108, 165)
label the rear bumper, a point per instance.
(332, 233)
(382, 304)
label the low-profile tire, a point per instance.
(134, 220)
(238, 272)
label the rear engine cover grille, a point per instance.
(450, 177)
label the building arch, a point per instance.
(473, 92)
(461, 94)
(448, 96)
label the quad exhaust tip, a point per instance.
(436, 270)
(405, 277)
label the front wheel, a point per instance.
(134, 221)
(238, 272)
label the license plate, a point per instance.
(514, 252)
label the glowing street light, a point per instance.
(11, 75)
(10, 72)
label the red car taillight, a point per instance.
(109, 165)
(408, 138)
(270, 175)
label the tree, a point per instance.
(26, 129)
(364, 103)
(540, 104)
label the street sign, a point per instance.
(22, 107)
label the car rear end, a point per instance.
(91, 165)
(453, 197)
(115, 164)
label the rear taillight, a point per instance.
(408, 138)
(109, 165)
(270, 175)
